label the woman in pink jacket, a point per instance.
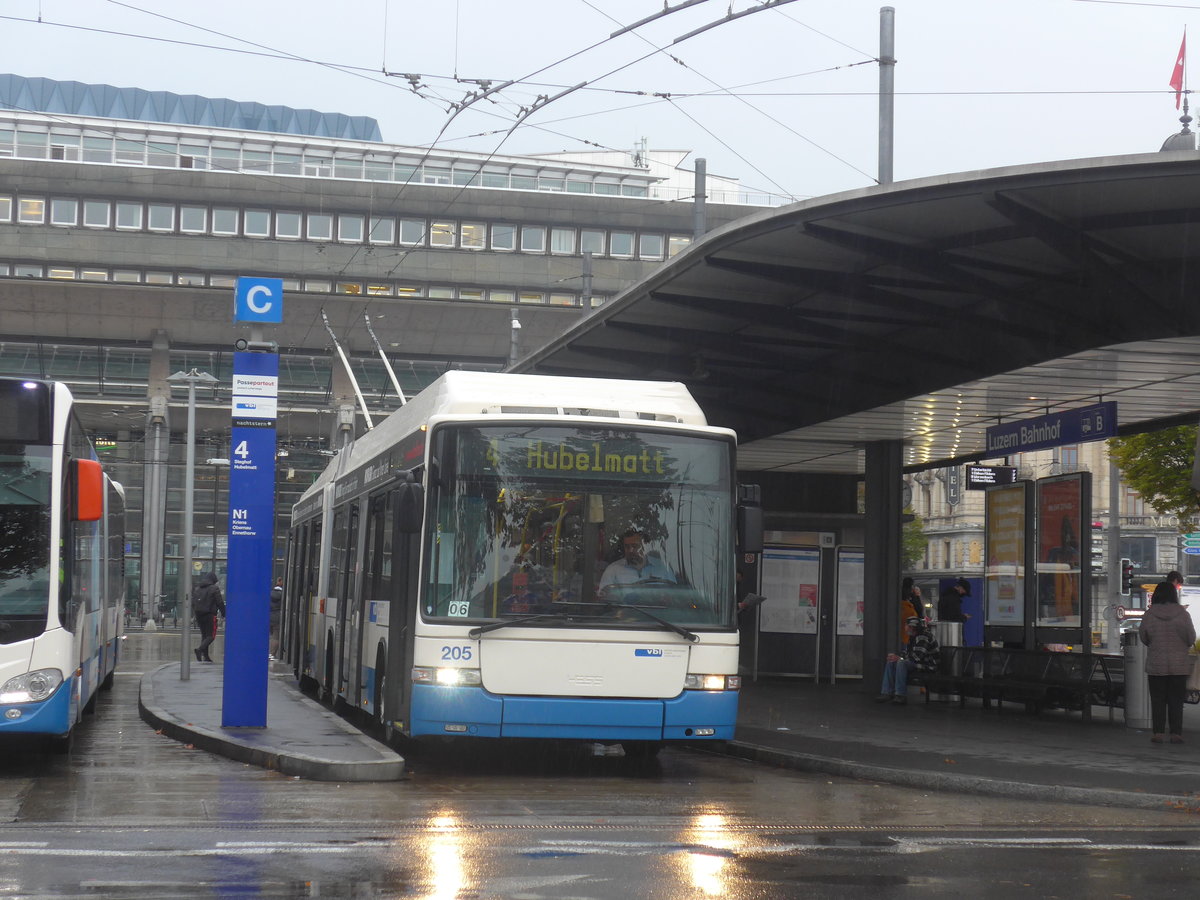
(1168, 632)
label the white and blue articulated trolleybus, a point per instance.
(62, 574)
(527, 556)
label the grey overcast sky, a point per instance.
(784, 99)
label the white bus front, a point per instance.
(578, 582)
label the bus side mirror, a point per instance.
(87, 494)
(410, 507)
(749, 519)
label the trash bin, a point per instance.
(948, 634)
(1137, 686)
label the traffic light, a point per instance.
(1126, 577)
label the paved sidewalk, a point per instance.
(301, 738)
(839, 729)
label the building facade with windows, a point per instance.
(121, 239)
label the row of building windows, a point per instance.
(123, 371)
(353, 287)
(358, 164)
(350, 228)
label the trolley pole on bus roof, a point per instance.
(191, 379)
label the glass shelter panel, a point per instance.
(1060, 521)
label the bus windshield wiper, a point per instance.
(678, 629)
(493, 626)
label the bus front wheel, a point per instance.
(383, 727)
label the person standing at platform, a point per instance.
(1168, 633)
(910, 607)
(275, 613)
(950, 602)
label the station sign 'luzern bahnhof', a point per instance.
(1071, 426)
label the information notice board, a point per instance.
(850, 582)
(1004, 577)
(790, 581)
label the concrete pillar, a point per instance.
(881, 576)
(154, 480)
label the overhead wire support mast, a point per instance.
(349, 372)
(386, 363)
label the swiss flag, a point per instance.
(1177, 75)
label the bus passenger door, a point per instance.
(304, 643)
(346, 601)
(403, 595)
(361, 654)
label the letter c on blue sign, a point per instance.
(253, 293)
(258, 300)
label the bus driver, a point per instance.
(635, 566)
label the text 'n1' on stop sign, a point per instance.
(258, 300)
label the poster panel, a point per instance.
(1059, 558)
(790, 581)
(850, 582)
(1004, 536)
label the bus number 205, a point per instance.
(456, 653)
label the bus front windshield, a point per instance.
(605, 526)
(24, 540)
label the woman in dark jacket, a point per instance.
(1168, 632)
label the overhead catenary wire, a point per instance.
(523, 113)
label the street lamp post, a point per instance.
(218, 463)
(191, 379)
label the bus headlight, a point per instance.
(450, 677)
(32, 687)
(712, 683)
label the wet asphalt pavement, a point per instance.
(131, 813)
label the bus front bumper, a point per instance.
(474, 712)
(50, 716)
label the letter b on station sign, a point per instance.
(258, 300)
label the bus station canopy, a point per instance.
(923, 311)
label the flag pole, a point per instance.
(1185, 118)
(1184, 139)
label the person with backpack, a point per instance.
(207, 602)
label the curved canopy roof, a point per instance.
(923, 311)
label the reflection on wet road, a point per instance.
(131, 813)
